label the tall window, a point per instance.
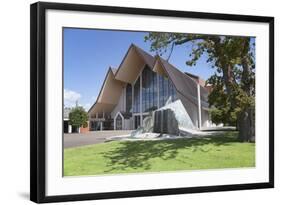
(172, 91)
(166, 90)
(129, 98)
(161, 91)
(149, 90)
(155, 90)
(137, 96)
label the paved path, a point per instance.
(95, 137)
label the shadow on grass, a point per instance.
(136, 154)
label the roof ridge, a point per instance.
(147, 57)
(114, 70)
(142, 50)
(185, 73)
(195, 76)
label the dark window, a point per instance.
(161, 90)
(137, 121)
(155, 88)
(172, 92)
(118, 122)
(166, 90)
(137, 96)
(149, 90)
(166, 94)
(129, 98)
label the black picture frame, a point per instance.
(38, 101)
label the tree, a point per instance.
(232, 97)
(78, 117)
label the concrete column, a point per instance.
(199, 106)
(101, 126)
(133, 127)
(69, 128)
(114, 123)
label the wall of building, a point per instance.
(85, 129)
(191, 109)
(205, 118)
(121, 105)
(128, 124)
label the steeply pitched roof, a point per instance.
(149, 59)
(197, 79)
(114, 70)
(110, 74)
(184, 83)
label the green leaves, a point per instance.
(232, 57)
(78, 117)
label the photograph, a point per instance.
(155, 102)
(134, 102)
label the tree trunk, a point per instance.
(246, 125)
(228, 78)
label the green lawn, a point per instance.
(214, 152)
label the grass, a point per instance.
(214, 152)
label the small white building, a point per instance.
(67, 128)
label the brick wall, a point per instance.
(84, 129)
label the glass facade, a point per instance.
(137, 121)
(145, 95)
(136, 106)
(129, 98)
(149, 90)
(166, 90)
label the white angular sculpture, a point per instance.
(176, 123)
(183, 118)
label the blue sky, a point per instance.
(88, 53)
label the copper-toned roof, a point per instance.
(185, 84)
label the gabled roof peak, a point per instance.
(114, 70)
(148, 59)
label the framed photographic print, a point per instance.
(129, 102)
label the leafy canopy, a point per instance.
(78, 117)
(231, 57)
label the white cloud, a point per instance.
(71, 97)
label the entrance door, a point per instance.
(137, 121)
(65, 126)
(118, 122)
